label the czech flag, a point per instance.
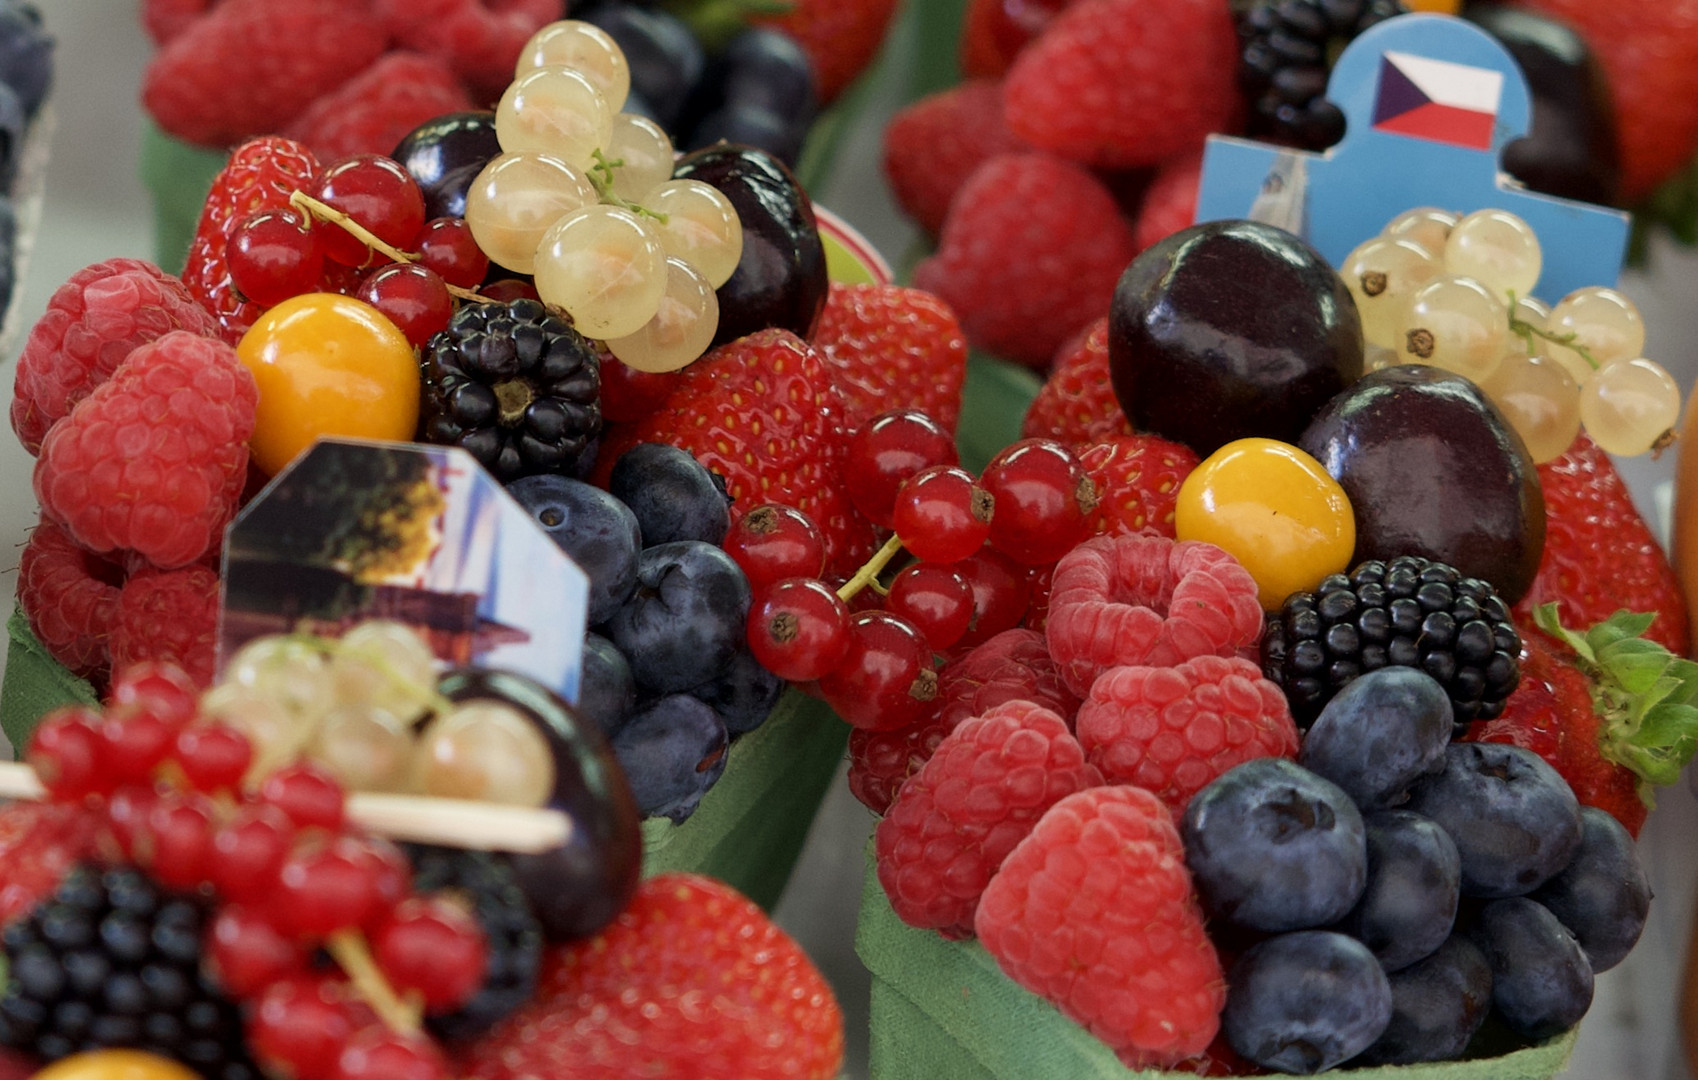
(1437, 100)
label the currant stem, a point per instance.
(353, 955)
(300, 200)
(1526, 331)
(868, 574)
(601, 178)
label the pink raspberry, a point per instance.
(1172, 730)
(956, 819)
(1094, 911)
(1170, 202)
(154, 460)
(170, 616)
(91, 323)
(165, 19)
(373, 111)
(1146, 599)
(70, 597)
(480, 39)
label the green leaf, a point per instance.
(36, 684)
(1663, 745)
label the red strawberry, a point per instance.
(891, 347)
(1170, 202)
(841, 37)
(1137, 479)
(1649, 51)
(932, 146)
(691, 980)
(1030, 253)
(1124, 83)
(994, 32)
(1076, 404)
(39, 843)
(1611, 711)
(1600, 556)
(763, 412)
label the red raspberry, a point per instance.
(1102, 86)
(1072, 247)
(957, 818)
(154, 460)
(91, 323)
(39, 844)
(373, 111)
(1144, 599)
(169, 616)
(248, 67)
(1076, 404)
(70, 597)
(1170, 202)
(1137, 479)
(480, 39)
(890, 347)
(1172, 730)
(165, 19)
(1094, 911)
(932, 146)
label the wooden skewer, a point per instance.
(461, 823)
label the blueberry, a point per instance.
(674, 496)
(1304, 1002)
(1437, 1005)
(766, 69)
(1513, 817)
(744, 695)
(1602, 896)
(1379, 734)
(1541, 982)
(751, 125)
(13, 123)
(597, 530)
(685, 623)
(672, 751)
(1274, 847)
(666, 59)
(1414, 884)
(606, 693)
(26, 54)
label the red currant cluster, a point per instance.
(290, 878)
(277, 254)
(982, 549)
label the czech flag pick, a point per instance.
(1423, 98)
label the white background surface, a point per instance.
(96, 209)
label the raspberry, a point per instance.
(1101, 86)
(1137, 479)
(169, 616)
(1144, 599)
(1094, 911)
(1076, 404)
(373, 111)
(70, 597)
(957, 818)
(39, 844)
(250, 66)
(1171, 730)
(154, 460)
(91, 323)
(165, 19)
(480, 39)
(1170, 202)
(1073, 247)
(932, 146)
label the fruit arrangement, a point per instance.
(191, 890)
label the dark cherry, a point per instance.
(445, 155)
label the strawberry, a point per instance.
(1649, 51)
(1137, 479)
(39, 843)
(1030, 254)
(994, 32)
(1124, 83)
(260, 175)
(764, 413)
(932, 146)
(1611, 711)
(1170, 202)
(692, 979)
(1076, 404)
(1600, 556)
(841, 37)
(891, 347)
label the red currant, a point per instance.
(128, 810)
(446, 246)
(213, 757)
(798, 629)
(628, 394)
(433, 947)
(414, 297)
(1001, 594)
(182, 830)
(942, 515)
(392, 874)
(301, 1025)
(379, 195)
(325, 886)
(773, 542)
(885, 680)
(65, 752)
(309, 795)
(248, 851)
(507, 290)
(1044, 501)
(888, 450)
(163, 690)
(248, 953)
(274, 255)
(134, 741)
(936, 599)
(380, 1054)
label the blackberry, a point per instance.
(1288, 48)
(486, 885)
(1408, 612)
(112, 960)
(515, 386)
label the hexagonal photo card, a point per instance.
(355, 530)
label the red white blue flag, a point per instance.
(1437, 100)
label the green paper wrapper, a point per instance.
(945, 1009)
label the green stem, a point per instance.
(1527, 332)
(601, 177)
